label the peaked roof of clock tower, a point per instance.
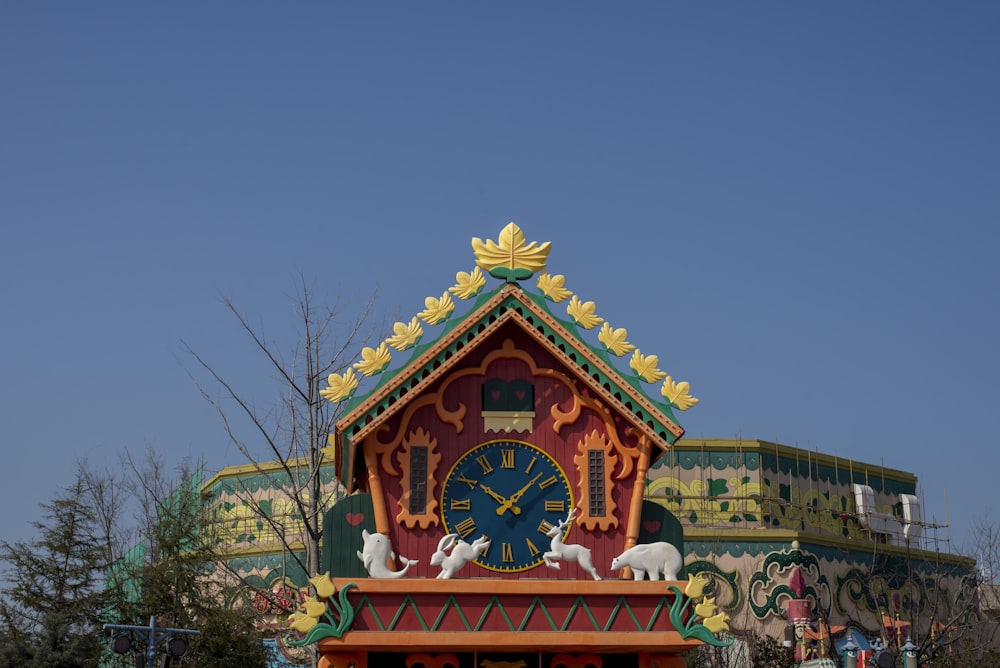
(514, 261)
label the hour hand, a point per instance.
(493, 495)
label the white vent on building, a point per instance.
(894, 530)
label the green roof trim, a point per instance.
(566, 337)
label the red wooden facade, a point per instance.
(509, 370)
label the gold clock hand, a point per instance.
(493, 495)
(519, 493)
(509, 503)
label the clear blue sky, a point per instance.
(795, 205)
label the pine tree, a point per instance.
(50, 611)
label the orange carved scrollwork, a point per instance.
(418, 460)
(595, 460)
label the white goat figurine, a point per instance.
(557, 550)
(461, 554)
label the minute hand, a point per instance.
(509, 503)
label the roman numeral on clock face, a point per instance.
(507, 459)
(554, 506)
(508, 553)
(485, 463)
(466, 504)
(465, 527)
(468, 481)
(548, 482)
(532, 550)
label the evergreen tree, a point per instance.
(50, 610)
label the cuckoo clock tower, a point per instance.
(496, 471)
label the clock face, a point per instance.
(512, 493)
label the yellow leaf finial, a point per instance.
(406, 334)
(553, 287)
(373, 360)
(679, 394)
(645, 367)
(583, 313)
(615, 340)
(467, 285)
(340, 386)
(511, 257)
(437, 310)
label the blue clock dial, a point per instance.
(512, 493)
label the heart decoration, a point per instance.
(354, 519)
(651, 526)
(495, 394)
(520, 395)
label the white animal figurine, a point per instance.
(377, 552)
(652, 558)
(557, 550)
(461, 554)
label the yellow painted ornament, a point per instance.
(615, 340)
(374, 360)
(511, 257)
(437, 310)
(583, 313)
(645, 367)
(553, 287)
(406, 334)
(339, 386)
(679, 394)
(468, 285)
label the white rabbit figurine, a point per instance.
(461, 554)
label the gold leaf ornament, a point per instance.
(583, 313)
(437, 310)
(679, 394)
(553, 287)
(615, 340)
(374, 360)
(468, 285)
(645, 367)
(339, 386)
(406, 334)
(511, 257)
